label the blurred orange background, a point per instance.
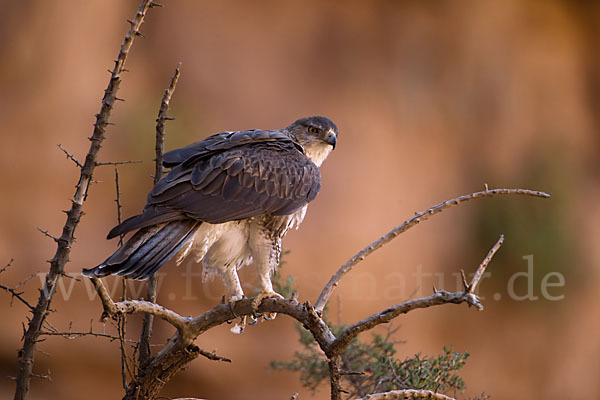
(432, 99)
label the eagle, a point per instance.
(228, 201)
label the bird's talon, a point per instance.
(239, 327)
(232, 311)
(269, 316)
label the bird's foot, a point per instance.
(257, 301)
(241, 325)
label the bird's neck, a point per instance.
(317, 152)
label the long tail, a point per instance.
(146, 251)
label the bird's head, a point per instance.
(316, 135)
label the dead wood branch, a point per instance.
(406, 225)
(437, 298)
(115, 163)
(13, 290)
(159, 148)
(70, 156)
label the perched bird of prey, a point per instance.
(228, 200)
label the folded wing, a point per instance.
(230, 176)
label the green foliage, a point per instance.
(373, 367)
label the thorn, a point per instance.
(130, 22)
(125, 70)
(47, 234)
(138, 33)
(119, 99)
(153, 4)
(169, 118)
(70, 156)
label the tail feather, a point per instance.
(146, 251)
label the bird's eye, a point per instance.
(312, 129)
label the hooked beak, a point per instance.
(331, 139)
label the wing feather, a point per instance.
(231, 176)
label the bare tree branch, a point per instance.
(211, 355)
(112, 309)
(70, 156)
(180, 349)
(145, 352)
(13, 290)
(119, 206)
(406, 225)
(122, 321)
(70, 334)
(125, 368)
(47, 234)
(8, 264)
(438, 298)
(160, 123)
(17, 295)
(61, 257)
(470, 288)
(115, 163)
(406, 394)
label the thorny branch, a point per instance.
(145, 353)
(70, 156)
(61, 257)
(122, 322)
(70, 334)
(115, 163)
(13, 290)
(406, 225)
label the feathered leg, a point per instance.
(232, 282)
(265, 252)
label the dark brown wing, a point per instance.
(235, 176)
(220, 142)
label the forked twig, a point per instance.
(437, 298)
